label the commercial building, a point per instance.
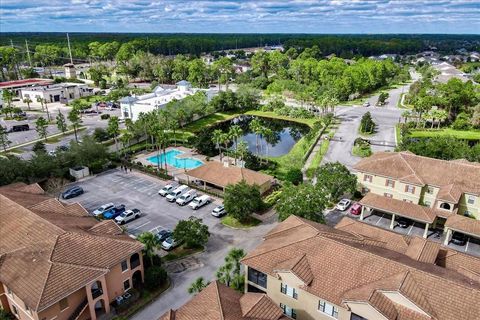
(133, 106)
(17, 85)
(60, 92)
(219, 175)
(356, 271)
(219, 302)
(58, 262)
(432, 192)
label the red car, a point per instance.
(356, 209)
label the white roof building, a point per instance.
(133, 106)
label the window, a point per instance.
(406, 200)
(328, 308)
(63, 304)
(367, 177)
(126, 285)
(14, 309)
(409, 189)
(257, 277)
(430, 190)
(388, 195)
(289, 291)
(390, 183)
(471, 200)
(288, 311)
(365, 190)
(124, 266)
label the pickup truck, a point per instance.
(114, 212)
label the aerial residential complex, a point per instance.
(358, 271)
(57, 261)
(433, 192)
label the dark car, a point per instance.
(459, 239)
(72, 192)
(163, 235)
(114, 212)
(404, 222)
(63, 148)
(19, 127)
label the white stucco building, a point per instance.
(133, 106)
(60, 92)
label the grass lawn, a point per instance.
(293, 159)
(398, 134)
(459, 134)
(317, 159)
(234, 223)
(180, 252)
(269, 114)
(54, 139)
(210, 120)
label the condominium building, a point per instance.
(436, 193)
(58, 262)
(357, 271)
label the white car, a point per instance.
(186, 197)
(343, 204)
(199, 202)
(219, 211)
(170, 244)
(175, 194)
(165, 190)
(102, 209)
(127, 216)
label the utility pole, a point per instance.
(69, 49)
(28, 53)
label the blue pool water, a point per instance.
(174, 161)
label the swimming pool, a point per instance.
(174, 161)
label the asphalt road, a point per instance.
(137, 190)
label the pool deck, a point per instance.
(187, 153)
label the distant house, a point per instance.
(447, 72)
(60, 92)
(133, 106)
(217, 175)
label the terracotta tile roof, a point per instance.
(340, 265)
(219, 302)
(422, 250)
(299, 266)
(52, 253)
(463, 224)
(462, 263)
(450, 193)
(408, 167)
(383, 305)
(107, 227)
(216, 173)
(402, 208)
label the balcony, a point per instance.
(257, 277)
(96, 293)
(134, 261)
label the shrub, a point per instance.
(39, 146)
(105, 116)
(294, 175)
(155, 277)
(462, 122)
(241, 200)
(100, 134)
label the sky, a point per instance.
(247, 16)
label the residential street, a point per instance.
(386, 117)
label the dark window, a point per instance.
(63, 304)
(124, 265)
(357, 317)
(126, 285)
(257, 277)
(134, 261)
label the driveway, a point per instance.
(137, 190)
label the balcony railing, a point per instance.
(96, 293)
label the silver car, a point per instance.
(102, 209)
(128, 216)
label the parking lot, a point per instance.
(383, 220)
(140, 191)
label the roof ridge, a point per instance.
(217, 291)
(254, 304)
(410, 167)
(44, 286)
(408, 274)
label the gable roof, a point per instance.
(453, 177)
(463, 224)
(54, 250)
(219, 302)
(216, 173)
(341, 263)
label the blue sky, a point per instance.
(247, 16)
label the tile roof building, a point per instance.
(358, 271)
(58, 262)
(220, 175)
(219, 302)
(430, 191)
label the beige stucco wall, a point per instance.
(73, 301)
(116, 277)
(365, 310)
(378, 186)
(11, 299)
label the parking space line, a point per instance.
(379, 219)
(410, 230)
(466, 246)
(142, 225)
(157, 228)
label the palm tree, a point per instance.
(406, 114)
(224, 274)
(150, 244)
(235, 132)
(217, 139)
(242, 150)
(225, 140)
(114, 129)
(256, 127)
(269, 139)
(27, 100)
(442, 115)
(125, 138)
(198, 285)
(41, 101)
(234, 256)
(75, 120)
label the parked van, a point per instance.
(186, 197)
(165, 190)
(199, 202)
(173, 195)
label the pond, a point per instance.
(285, 135)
